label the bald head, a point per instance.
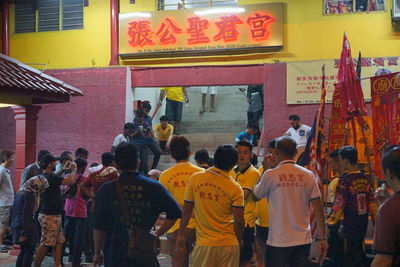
(286, 147)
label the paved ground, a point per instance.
(7, 260)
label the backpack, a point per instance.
(72, 190)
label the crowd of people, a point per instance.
(220, 212)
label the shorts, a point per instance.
(216, 256)
(163, 144)
(5, 217)
(211, 90)
(173, 110)
(52, 231)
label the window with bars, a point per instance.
(25, 17)
(182, 4)
(48, 15)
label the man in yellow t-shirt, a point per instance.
(247, 176)
(175, 180)
(173, 110)
(163, 132)
(217, 201)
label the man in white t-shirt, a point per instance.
(124, 137)
(289, 189)
(299, 132)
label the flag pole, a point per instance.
(367, 152)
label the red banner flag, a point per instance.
(348, 83)
(318, 148)
(385, 103)
(347, 100)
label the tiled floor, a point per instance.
(7, 260)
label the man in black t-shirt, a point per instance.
(146, 199)
(51, 210)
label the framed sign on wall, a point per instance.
(352, 6)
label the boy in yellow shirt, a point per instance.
(247, 176)
(175, 179)
(217, 201)
(163, 132)
(173, 109)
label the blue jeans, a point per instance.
(74, 232)
(173, 110)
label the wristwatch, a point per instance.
(320, 238)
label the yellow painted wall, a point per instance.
(309, 35)
(67, 49)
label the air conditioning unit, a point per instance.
(396, 11)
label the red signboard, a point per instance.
(205, 29)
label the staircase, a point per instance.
(208, 130)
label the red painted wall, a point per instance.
(276, 110)
(91, 121)
(198, 76)
(7, 129)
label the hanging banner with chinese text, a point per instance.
(304, 78)
(385, 105)
(190, 31)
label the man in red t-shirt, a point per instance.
(89, 188)
(107, 173)
(387, 235)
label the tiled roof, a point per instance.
(16, 75)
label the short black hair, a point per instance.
(252, 125)
(126, 156)
(64, 156)
(334, 154)
(129, 126)
(81, 165)
(94, 164)
(287, 146)
(5, 154)
(391, 160)
(294, 117)
(210, 161)
(244, 143)
(225, 157)
(179, 147)
(254, 159)
(202, 156)
(45, 160)
(139, 113)
(41, 154)
(107, 159)
(82, 152)
(163, 118)
(272, 144)
(146, 106)
(349, 153)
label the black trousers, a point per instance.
(155, 148)
(25, 256)
(349, 252)
(254, 117)
(246, 252)
(74, 233)
(296, 256)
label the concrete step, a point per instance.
(209, 140)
